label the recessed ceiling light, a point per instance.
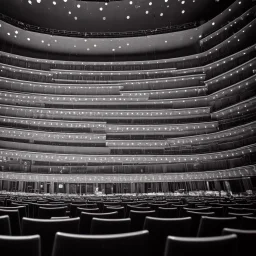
(29, 1)
(150, 3)
(128, 17)
(95, 45)
(161, 14)
(104, 18)
(146, 12)
(8, 34)
(69, 12)
(28, 39)
(16, 32)
(54, 3)
(130, 2)
(42, 41)
(75, 18)
(183, 11)
(78, 6)
(101, 9)
(39, 1)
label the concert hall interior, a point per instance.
(127, 127)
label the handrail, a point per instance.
(58, 32)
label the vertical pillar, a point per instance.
(21, 185)
(45, 187)
(67, 188)
(51, 188)
(207, 185)
(227, 185)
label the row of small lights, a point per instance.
(127, 159)
(130, 178)
(241, 130)
(117, 128)
(106, 113)
(124, 97)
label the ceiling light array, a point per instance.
(233, 38)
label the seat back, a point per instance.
(14, 220)
(168, 212)
(22, 210)
(90, 210)
(24, 245)
(47, 230)
(196, 217)
(135, 208)
(133, 243)
(248, 223)
(213, 226)
(160, 228)
(73, 209)
(201, 246)
(47, 213)
(138, 219)
(120, 210)
(246, 240)
(5, 226)
(110, 226)
(86, 219)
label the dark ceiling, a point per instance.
(117, 16)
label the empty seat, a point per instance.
(73, 208)
(133, 243)
(213, 226)
(14, 220)
(90, 210)
(167, 212)
(119, 210)
(47, 230)
(86, 219)
(196, 217)
(135, 208)
(248, 223)
(138, 219)
(22, 210)
(201, 246)
(160, 228)
(47, 213)
(5, 226)
(110, 226)
(245, 240)
(23, 245)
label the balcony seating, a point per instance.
(212, 246)
(160, 228)
(47, 230)
(133, 243)
(110, 226)
(28, 245)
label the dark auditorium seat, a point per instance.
(128, 244)
(86, 220)
(90, 210)
(5, 226)
(213, 226)
(138, 219)
(245, 240)
(14, 220)
(196, 217)
(248, 223)
(201, 246)
(136, 208)
(120, 210)
(110, 226)
(20, 245)
(167, 212)
(22, 210)
(47, 230)
(47, 213)
(73, 209)
(160, 228)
